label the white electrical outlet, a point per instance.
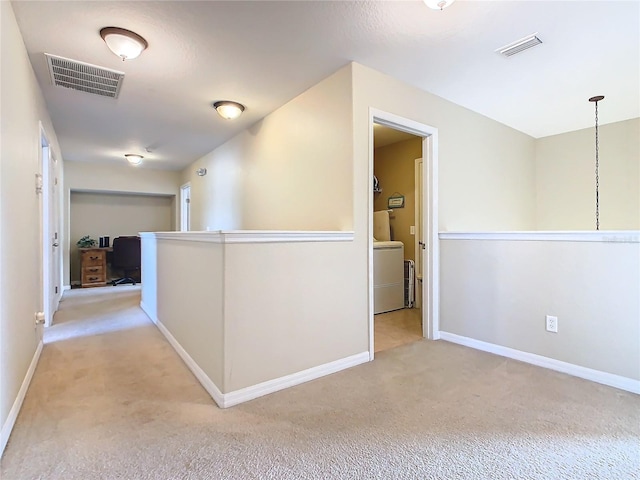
(552, 324)
(412, 230)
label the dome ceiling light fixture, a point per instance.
(124, 43)
(133, 158)
(438, 4)
(228, 109)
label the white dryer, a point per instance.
(388, 276)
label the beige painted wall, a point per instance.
(236, 313)
(120, 178)
(394, 165)
(292, 170)
(305, 166)
(111, 214)
(298, 291)
(486, 169)
(189, 293)
(565, 179)
(125, 179)
(499, 292)
(23, 107)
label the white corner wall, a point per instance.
(289, 308)
(305, 167)
(230, 303)
(565, 179)
(23, 107)
(290, 171)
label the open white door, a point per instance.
(50, 230)
(185, 207)
(54, 234)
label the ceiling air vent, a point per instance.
(84, 76)
(519, 45)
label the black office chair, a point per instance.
(126, 257)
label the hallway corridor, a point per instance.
(107, 383)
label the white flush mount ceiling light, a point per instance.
(133, 159)
(228, 109)
(438, 4)
(124, 43)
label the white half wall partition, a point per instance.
(497, 289)
(253, 312)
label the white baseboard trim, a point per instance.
(610, 379)
(15, 409)
(236, 397)
(202, 377)
(66, 287)
(270, 386)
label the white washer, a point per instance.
(388, 276)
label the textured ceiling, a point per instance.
(262, 54)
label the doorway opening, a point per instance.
(403, 232)
(109, 215)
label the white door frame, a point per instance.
(430, 268)
(185, 207)
(49, 228)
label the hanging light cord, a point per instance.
(596, 99)
(597, 176)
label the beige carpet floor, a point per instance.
(110, 399)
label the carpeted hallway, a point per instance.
(111, 400)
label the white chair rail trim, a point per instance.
(252, 236)
(606, 236)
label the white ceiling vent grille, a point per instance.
(84, 76)
(519, 45)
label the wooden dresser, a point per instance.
(93, 267)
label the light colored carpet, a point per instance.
(110, 399)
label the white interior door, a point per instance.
(185, 207)
(44, 190)
(54, 235)
(50, 233)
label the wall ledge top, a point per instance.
(252, 236)
(604, 236)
